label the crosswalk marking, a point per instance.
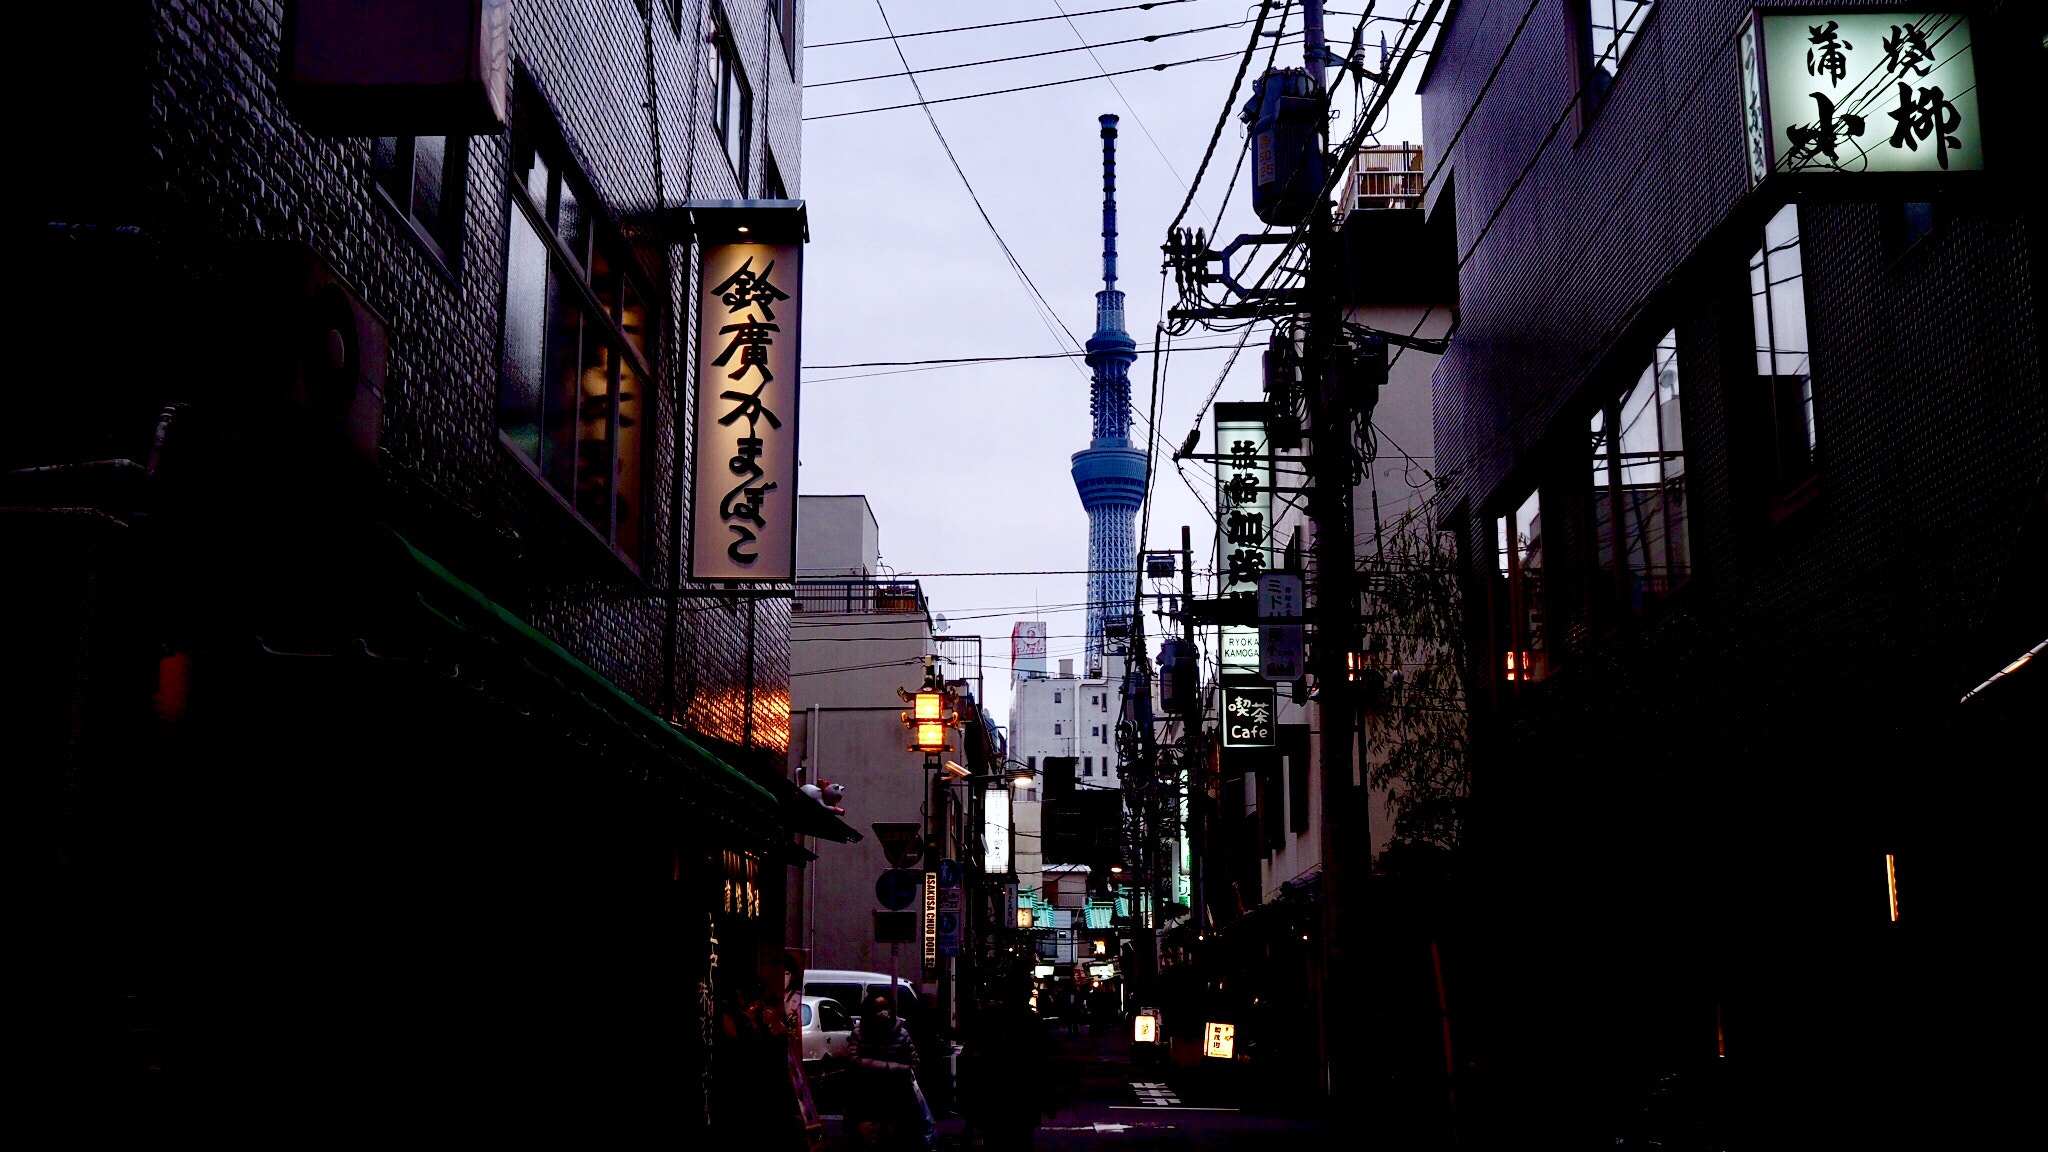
(1155, 1094)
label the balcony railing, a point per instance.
(852, 597)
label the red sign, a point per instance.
(902, 842)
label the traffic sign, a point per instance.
(949, 873)
(896, 888)
(902, 842)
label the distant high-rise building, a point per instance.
(1110, 473)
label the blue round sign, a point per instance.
(896, 888)
(949, 873)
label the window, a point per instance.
(422, 178)
(575, 354)
(1607, 29)
(1105, 733)
(1777, 297)
(1031, 762)
(1639, 525)
(1087, 765)
(1055, 727)
(1094, 731)
(1055, 697)
(785, 23)
(1519, 592)
(772, 187)
(732, 108)
(1105, 701)
(832, 1018)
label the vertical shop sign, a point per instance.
(749, 309)
(1244, 521)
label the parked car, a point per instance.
(852, 989)
(826, 1028)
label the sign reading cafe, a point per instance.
(749, 305)
(1860, 92)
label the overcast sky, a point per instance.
(967, 466)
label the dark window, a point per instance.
(576, 351)
(1641, 544)
(772, 187)
(785, 23)
(1518, 587)
(732, 108)
(832, 1018)
(1056, 728)
(1055, 697)
(1908, 223)
(1087, 765)
(844, 993)
(1607, 30)
(422, 179)
(1777, 294)
(1031, 762)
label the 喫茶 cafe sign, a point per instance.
(1829, 92)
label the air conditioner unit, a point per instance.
(310, 398)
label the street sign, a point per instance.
(1280, 646)
(949, 933)
(949, 873)
(895, 927)
(902, 842)
(1247, 717)
(931, 920)
(896, 888)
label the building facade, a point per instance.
(1745, 464)
(361, 569)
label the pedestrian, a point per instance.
(1106, 1009)
(885, 1100)
(1003, 1068)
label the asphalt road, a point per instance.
(1102, 1100)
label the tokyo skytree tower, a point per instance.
(1110, 473)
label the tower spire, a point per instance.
(1110, 474)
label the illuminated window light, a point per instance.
(1891, 884)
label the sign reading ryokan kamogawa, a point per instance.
(1859, 92)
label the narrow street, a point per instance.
(1099, 1098)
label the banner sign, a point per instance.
(1859, 92)
(931, 919)
(1244, 520)
(1248, 720)
(1280, 645)
(749, 308)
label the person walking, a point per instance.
(885, 1098)
(1002, 1070)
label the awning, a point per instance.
(764, 805)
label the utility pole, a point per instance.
(1330, 467)
(1190, 732)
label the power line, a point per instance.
(1048, 312)
(1082, 47)
(1230, 102)
(1019, 88)
(941, 361)
(1128, 106)
(998, 24)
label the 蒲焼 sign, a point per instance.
(1859, 92)
(749, 311)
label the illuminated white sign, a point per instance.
(743, 521)
(1220, 1041)
(996, 830)
(1244, 520)
(1860, 92)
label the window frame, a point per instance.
(730, 68)
(1613, 585)
(1522, 652)
(1593, 94)
(1790, 489)
(787, 18)
(572, 272)
(445, 250)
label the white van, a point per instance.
(852, 989)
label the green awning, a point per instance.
(764, 806)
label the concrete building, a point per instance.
(353, 694)
(1743, 446)
(856, 639)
